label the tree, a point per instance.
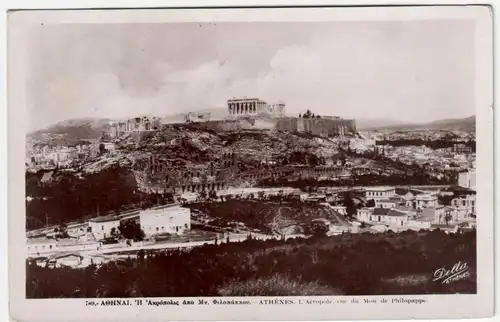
(261, 194)
(370, 203)
(349, 204)
(131, 230)
(447, 218)
(114, 232)
(300, 115)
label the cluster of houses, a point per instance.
(416, 211)
(90, 236)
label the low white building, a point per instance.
(69, 259)
(363, 214)
(386, 203)
(389, 217)
(40, 246)
(101, 227)
(377, 193)
(169, 219)
(426, 201)
(467, 179)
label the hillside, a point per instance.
(71, 132)
(467, 124)
(266, 216)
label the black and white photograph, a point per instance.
(254, 158)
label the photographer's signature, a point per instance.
(457, 272)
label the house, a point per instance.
(386, 203)
(40, 246)
(101, 227)
(64, 259)
(426, 201)
(437, 214)
(169, 219)
(407, 210)
(363, 214)
(465, 205)
(410, 200)
(390, 217)
(377, 193)
(467, 179)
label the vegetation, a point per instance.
(68, 197)
(130, 229)
(267, 216)
(345, 264)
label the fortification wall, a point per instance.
(317, 126)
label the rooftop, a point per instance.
(105, 218)
(395, 213)
(387, 200)
(40, 241)
(379, 188)
(380, 211)
(65, 254)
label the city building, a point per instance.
(386, 203)
(65, 259)
(463, 207)
(40, 246)
(462, 148)
(425, 201)
(101, 227)
(169, 219)
(363, 214)
(379, 193)
(467, 179)
(390, 217)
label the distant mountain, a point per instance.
(70, 132)
(368, 124)
(460, 124)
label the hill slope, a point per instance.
(71, 132)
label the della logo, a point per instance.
(457, 272)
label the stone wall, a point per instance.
(317, 126)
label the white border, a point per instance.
(439, 306)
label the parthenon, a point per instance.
(252, 107)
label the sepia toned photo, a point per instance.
(253, 161)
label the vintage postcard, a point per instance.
(251, 164)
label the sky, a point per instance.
(411, 71)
